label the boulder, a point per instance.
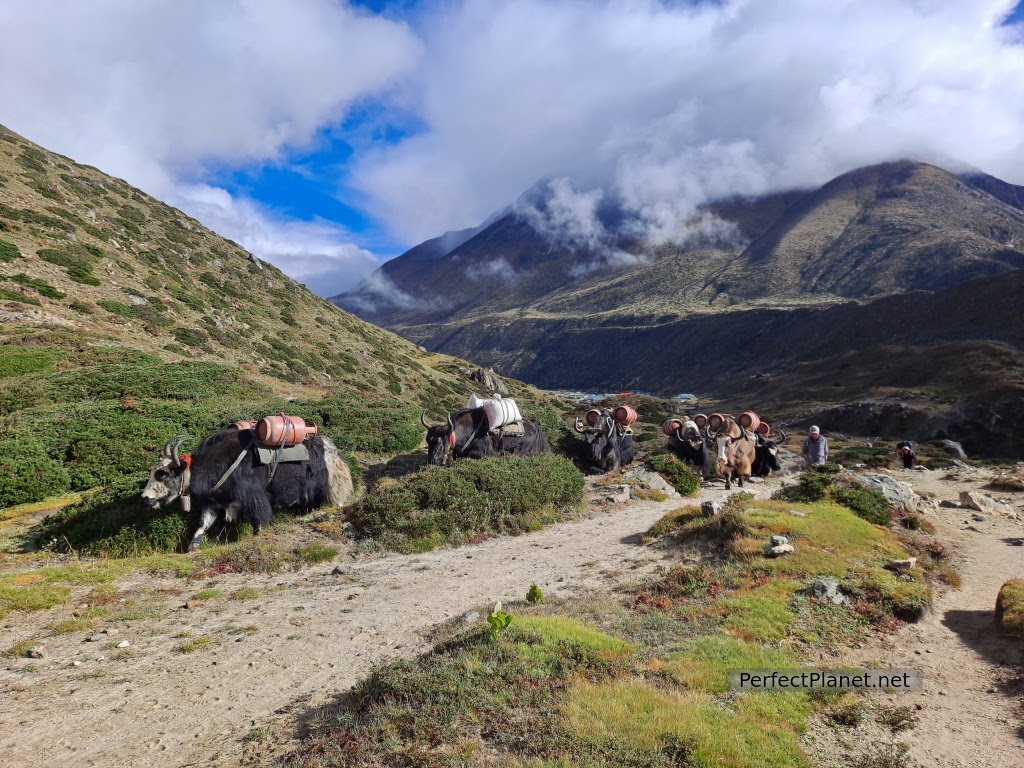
(652, 480)
(954, 449)
(779, 540)
(711, 508)
(899, 495)
(982, 502)
(777, 551)
(490, 381)
(948, 504)
(827, 588)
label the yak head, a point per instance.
(600, 436)
(167, 478)
(722, 444)
(768, 448)
(440, 441)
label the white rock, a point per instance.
(982, 502)
(899, 495)
(123, 644)
(782, 549)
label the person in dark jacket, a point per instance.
(905, 451)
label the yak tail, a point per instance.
(339, 477)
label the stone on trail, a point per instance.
(613, 494)
(471, 617)
(948, 504)
(984, 503)
(123, 644)
(710, 508)
(778, 540)
(979, 518)
(36, 652)
(899, 495)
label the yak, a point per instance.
(466, 435)
(689, 445)
(224, 476)
(734, 450)
(609, 444)
(766, 454)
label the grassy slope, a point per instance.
(126, 322)
(640, 680)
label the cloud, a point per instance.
(160, 92)
(317, 253)
(379, 290)
(668, 104)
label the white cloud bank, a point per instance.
(659, 105)
(668, 104)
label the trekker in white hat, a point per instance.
(815, 448)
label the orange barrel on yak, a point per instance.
(749, 420)
(715, 421)
(764, 429)
(671, 426)
(701, 420)
(243, 425)
(592, 415)
(283, 430)
(625, 415)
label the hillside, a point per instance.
(125, 322)
(829, 296)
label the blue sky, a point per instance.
(327, 136)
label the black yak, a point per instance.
(466, 436)
(225, 476)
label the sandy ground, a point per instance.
(309, 636)
(971, 705)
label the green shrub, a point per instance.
(82, 306)
(192, 337)
(117, 308)
(78, 261)
(358, 424)
(868, 504)
(41, 287)
(17, 361)
(8, 251)
(814, 486)
(115, 523)
(27, 473)
(680, 476)
(440, 505)
(17, 296)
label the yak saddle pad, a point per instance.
(514, 430)
(293, 453)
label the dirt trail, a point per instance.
(972, 714)
(308, 637)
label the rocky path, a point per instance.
(308, 636)
(972, 702)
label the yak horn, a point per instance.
(167, 448)
(450, 422)
(578, 426)
(423, 420)
(175, 444)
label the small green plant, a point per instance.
(898, 719)
(499, 621)
(534, 595)
(681, 477)
(193, 645)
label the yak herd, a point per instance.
(246, 471)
